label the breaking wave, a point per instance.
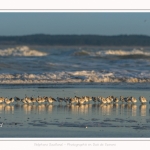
(71, 77)
(124, 53)
(21, 51)
(113, 53)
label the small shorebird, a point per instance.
(43, 99)
(81, 101)
(24, 100)
(99, 99)
(142, 99)
(11, 99)
(122, 99)
(76, 98)
(112, 99)
(109, 100)
(66, 100)
(28, 100)
(33, 100)
(128, 100)
(115, 100)
(73, 100)
(50, 99)
(94, 99)
(40, 100)
(2, 99)
(133, 99)
(17, 99)
(60, 100)
(7, 101)
(87, 98)
(103, 100)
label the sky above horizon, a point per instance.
(99, 23)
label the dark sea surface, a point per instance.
(44, 65)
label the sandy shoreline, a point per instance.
(61, 120)
(71, 133)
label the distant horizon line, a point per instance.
(75, 35)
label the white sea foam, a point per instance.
(124, 53)
(21, 51)
(113, 53)
(71, 77)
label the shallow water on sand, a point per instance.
(61, 120)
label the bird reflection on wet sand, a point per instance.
(142, 109)
(103, 109)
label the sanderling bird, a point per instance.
(94, 99)
(77, 97)
(43, 99)
(60, 100)
(7, 101)
(115, 100)
(50, 99)
(103, 100)
(122, 99)
(87, 99)
(11, 99)
(17, 99)
(24, 100)
(109, 100)
(99, 99)
(2, 99)
(66, 100)
(81, 101)
(133, 99)
(40, 100)
(128, 100)
(142, 99)
(112, 98)
(28, 99)
(33, 100)
(73, 100)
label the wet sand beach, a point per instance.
(71, 120)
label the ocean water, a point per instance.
(74, 65)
